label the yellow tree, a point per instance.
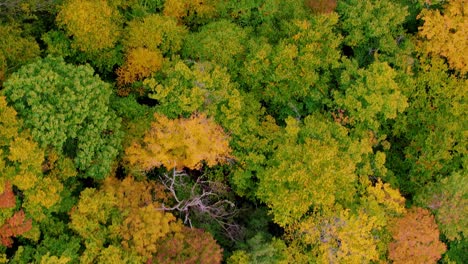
(122, 217)
(190, 11)
(140, 63)
(180, 143)
(156, 33)
(444, 34)
(93, 24)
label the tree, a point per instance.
(342, 237)
(122, 217)
(293, 77)
(372, 28)
(156, 33)
(190, 246)
(201, 199)
(15, 50)
(447, 199)
(428, 139)
(180, 143)
(190, 12)
(370, 96)
(185, 87)
(66, 107)
(444, 34)
(14, 226)
(140, 63)
(94, 25)
(214, 37)
(416, 238)
(310, 171)
(321, 6)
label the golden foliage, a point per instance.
(445, 34)
(416, 239)
(140, 63)
(183, 8)
(93, 24)
(126, 212)
(155, 33)
(180, 143)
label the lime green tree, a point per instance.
(66, 107)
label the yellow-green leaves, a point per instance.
(309, 171)
(371, 96)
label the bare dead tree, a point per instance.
(200, 197)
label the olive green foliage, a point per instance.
(66, 107)
(15, 49)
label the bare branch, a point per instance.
(200, 197)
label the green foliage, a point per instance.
(221, 42)
(370, 96)
(430, 135)
(329, 117)
(448, 199)
(372, 28)
(294, 77)
(66, 107)
(260, 250)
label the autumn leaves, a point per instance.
(180, 143)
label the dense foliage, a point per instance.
(250, 131)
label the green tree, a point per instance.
(66, 107)
(370, 96)
(294, 76)
(372, 28)
(221, 35)
(448, 200)
(429, 140)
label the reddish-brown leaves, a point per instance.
(7, 198)
(321, 6)
(14, 226)
(416, 239)
(194, 246)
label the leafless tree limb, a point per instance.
(200, 197)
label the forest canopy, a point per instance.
(249, 131)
